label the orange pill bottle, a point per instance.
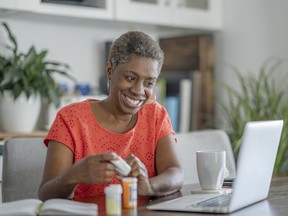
(129, 185)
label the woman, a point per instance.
(86, 136)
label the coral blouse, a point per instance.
(76, 127)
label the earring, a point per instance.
(108, 86)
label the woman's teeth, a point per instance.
(134, 102)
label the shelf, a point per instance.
(189, 62)
(164, 13)
(8, 135)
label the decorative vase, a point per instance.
(20, 115)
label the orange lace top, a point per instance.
(76, 127)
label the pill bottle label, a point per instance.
(113, 206)
(113, 195)
(133, 195)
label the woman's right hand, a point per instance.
(96, 168)
(61, 176)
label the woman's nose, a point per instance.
(138, 88)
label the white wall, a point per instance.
(253, 31)
(78, 42)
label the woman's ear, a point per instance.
(108, 70)
(108, 76)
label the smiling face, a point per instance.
(132, 84)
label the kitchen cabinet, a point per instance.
(102, 9)
(198, 14)
(150, 11)
(190, 14)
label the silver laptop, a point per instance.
(255, 166)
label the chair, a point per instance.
(189, 143)
(24, 160)
(23, 164)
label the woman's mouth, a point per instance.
(133, 102)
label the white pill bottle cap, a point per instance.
(113, 189)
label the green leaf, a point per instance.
(11, 37)
(30, 72)
(259, 98)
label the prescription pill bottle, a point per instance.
(113, 199)
(129, 185)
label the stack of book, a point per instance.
(188, 101)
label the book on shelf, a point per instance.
(189, 99)
(177, 96)
(59, 207)
(173, 102)
(172, 107)
(185, 93)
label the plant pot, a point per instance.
(19, 115)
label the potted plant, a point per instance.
(259, 98)
(26, 77)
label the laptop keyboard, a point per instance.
(221, 200)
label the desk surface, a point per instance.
(276, 203)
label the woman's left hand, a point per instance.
(140, 172)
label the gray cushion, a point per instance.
(23, 164)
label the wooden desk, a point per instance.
(275, 205)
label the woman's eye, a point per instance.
(150, 84)
(130, 78)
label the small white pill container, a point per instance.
(113, 199)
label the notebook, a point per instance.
(255, 166)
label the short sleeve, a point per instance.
(60, 131)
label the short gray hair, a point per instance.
(135, 43)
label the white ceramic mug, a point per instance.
(211, 169)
